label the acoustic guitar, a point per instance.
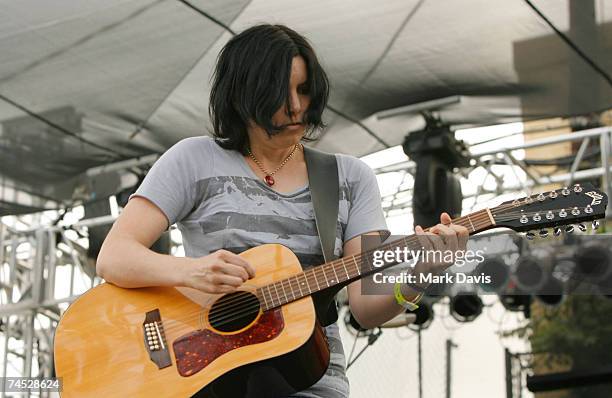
(261, 341)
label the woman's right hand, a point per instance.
(219, 272)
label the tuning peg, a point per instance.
(530, 235)
(557, 231)
(565, 191)
(569, 229)
(577, 188)
(595, 224)
(543, 233)
(541, 197)
(582, 227)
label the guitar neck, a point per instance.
(347, 269)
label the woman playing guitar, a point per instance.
(248, 186)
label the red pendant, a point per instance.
(269, 180)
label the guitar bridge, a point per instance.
(155, 339)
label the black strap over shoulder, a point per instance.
(324, 186)
(324, 192)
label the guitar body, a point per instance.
(101, 346)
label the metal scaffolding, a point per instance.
(401, 200)
(39, 270)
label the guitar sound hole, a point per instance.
(233, 311)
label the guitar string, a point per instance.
(238, 300)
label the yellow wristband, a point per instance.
(401, 300)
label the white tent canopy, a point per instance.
(88, 83)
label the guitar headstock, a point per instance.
(568, 205)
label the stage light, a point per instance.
(436, 152)
(465, 307)
(592, 261)
(551, 292)
(424, 316)
(498, 272)
(529, 275)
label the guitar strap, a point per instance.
(324, 192)
(324, 184)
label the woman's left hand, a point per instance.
(442, 243)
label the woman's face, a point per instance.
(291, 121)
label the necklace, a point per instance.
(268, 178)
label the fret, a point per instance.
(490, 216)
(263, 296)
(316, 279)
(284, 292)
(356, 265)
(307, 283)
(290, 289)
(270, 294)
(345, 270)
(325, 275)
(468, 217)
(334, 268)
(276, 290)
(298, 284)
(293, 289)
(368, 264)
(411, 242)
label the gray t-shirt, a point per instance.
(218, 202)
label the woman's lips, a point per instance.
(293, 126)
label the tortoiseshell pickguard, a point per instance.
(194, 351)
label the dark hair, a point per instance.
(251, 82)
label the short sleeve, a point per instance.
(169, 184)
(365, 210)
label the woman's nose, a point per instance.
(295, 103)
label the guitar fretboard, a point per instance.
(350, 268)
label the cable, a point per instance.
(570, 43)
(357, 122)
(371, 340)
(207, 15)
(392, 41)
(350, 357)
